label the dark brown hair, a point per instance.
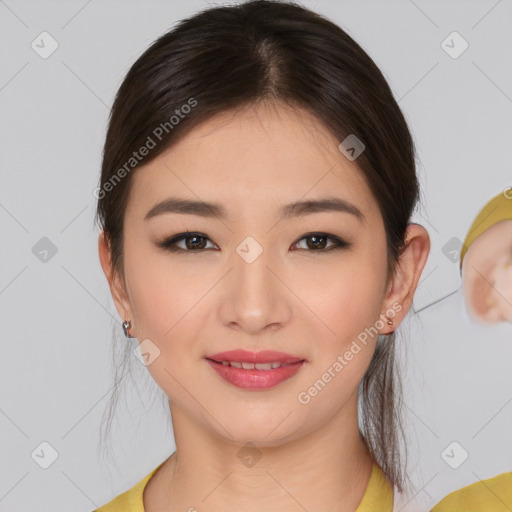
(228, 57)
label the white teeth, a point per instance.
(252, 366)
(264, 366)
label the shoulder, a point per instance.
(491, 495)
(130, 500)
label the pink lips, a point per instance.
(255, 379)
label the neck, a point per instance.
(327, 469)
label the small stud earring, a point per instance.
(390, 322)
(126, 325)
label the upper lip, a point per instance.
(265, 356)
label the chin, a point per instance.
(260, 429)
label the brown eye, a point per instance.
(193, 242)
(317, 242)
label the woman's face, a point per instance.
(252, 278)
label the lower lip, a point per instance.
(255, 379)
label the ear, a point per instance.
(402, 286)
(115, 281)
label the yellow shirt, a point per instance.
(378, 496)
(492, 495)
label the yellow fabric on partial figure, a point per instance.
(378, 496)
(497, 209)
(492, 495)
(130, 500)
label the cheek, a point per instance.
(502, 276)
(168, 310)
(351, 296)
(351, 308)
(353, 301)
(163, 292)
(347, 300)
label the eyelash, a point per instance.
(169, 244)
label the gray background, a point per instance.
(57, 316)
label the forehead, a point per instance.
(253, 156)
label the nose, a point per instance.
(254, 297)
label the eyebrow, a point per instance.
(216, 210)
